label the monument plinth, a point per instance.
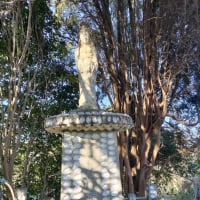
(90, 162)
(90, 168)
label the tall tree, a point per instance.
(37, 79)
(14, 89)
(148, 51)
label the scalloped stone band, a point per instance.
(93, 121)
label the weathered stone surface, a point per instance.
(90, 168)
(92, 179)
(80, 121)
(87, 63)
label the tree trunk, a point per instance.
(140, 79)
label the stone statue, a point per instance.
(87, 63)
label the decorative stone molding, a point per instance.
(93, 121)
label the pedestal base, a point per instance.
(90, 167)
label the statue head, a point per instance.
(84, 33)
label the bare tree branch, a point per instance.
(28, 36)
(180, 121)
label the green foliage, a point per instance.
(170, 162)
(183, 196)
(176, 166)
(169, 152)
(194, 167)
(44, 173)
(49, 69)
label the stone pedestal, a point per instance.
(90, 165)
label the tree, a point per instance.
(147, 51)
(173, 155)
(15, 40)
(37, 80)
(176, 171)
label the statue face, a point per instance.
(84, 36)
